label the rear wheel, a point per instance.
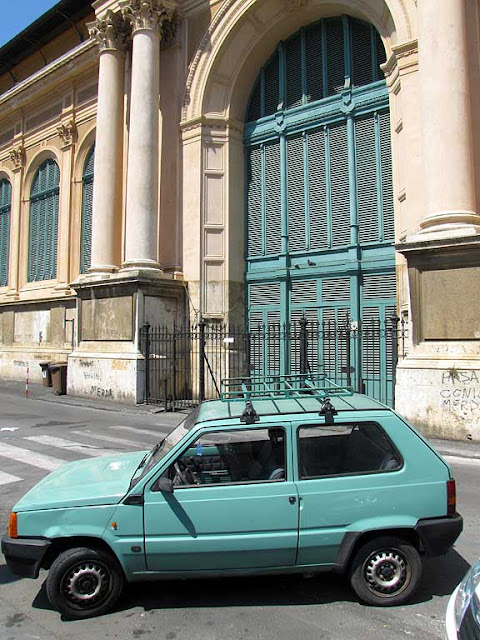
(386, 571)
(84, 582)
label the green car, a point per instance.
(279, 475)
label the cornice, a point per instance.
(42, 74)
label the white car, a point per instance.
(463, 611)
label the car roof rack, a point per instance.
(277, 387)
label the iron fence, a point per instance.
(185, 365)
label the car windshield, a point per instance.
(163, 447)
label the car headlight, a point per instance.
(468, 591)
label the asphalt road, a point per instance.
(280, 608)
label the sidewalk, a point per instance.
(36, 391)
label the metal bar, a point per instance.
(146, 329)
(201, 357)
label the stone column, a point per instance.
(446, 120)
(141, 227)
(110, 34)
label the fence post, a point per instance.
(348, 341)
(146, 333)
(303, 346)
(395, 320)
(201, 350)
(174, 365)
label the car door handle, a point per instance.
(292, 499)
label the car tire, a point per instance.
(84, 583)
(386, 571)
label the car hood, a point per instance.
(98, 481)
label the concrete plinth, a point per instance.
(108, 362)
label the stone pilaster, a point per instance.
(141, 233)
(17, 157)
(110, 34)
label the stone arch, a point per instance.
(49, 153)
(243, 35)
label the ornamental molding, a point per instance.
(148, 14)
(110, 33)
(67, 132)
(17, 156)
(293, 5)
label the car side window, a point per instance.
(345, 449)
(237, 456)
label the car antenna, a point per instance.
(328, 410)
(249, 415)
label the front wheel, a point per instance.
(386, 571)
(84, 582)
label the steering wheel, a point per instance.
(184, 473)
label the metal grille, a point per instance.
(361, 34)
(5, 205)
(296, 194)
(184, 366)
(87, 205)
(367, 192)
(273, 205)
(293, 56)
(42, 259)
(318, 196)
(254, 199)
(339, 180)
(272, 85)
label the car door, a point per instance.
(349, 478)
(234, 505)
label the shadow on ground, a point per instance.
(6, 576)
(441, 575)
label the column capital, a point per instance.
(17, 156)
(148, 14)
(110, 33)
(67, 131)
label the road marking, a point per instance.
(70, 445)
(30, 457)
(468, 462)
(145, 431)
(133, 443)
(6, 478)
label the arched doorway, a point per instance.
(319, 201)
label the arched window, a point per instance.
(42, 254)
(87, 201)
(5, 201)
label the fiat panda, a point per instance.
(291, 475)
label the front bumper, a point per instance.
(439, 534)
(24, 555)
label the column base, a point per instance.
(448, 224)
(141, 265)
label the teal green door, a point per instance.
(319, 200)
(229, 525)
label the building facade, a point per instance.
(244, 160)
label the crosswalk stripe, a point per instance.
(70, 445)
(157, 434)
(7, 478)
(30, 457)
(97, 436)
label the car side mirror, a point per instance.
(165, 485)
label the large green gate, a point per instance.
(320, 223)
